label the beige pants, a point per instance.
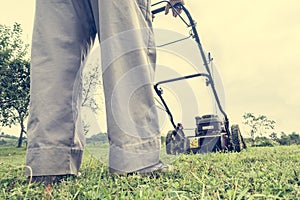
(64, 32)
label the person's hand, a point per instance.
(173, 2)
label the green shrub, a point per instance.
(264, 142)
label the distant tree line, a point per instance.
(275, 140)
(9, 140)
(260, 125)
(98, 138)
(286, 139)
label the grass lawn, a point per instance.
(255, 173)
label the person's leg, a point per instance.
(128, 61)
(63, 32)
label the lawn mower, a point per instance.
(212, 132)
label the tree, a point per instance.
(14, 78)
(294, 138)
(290, 139)
(274, 137)
(284, 139)
(257, 124)
(91, 82)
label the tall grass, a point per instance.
(255, 173)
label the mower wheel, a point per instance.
(175, 142)
(237, 141)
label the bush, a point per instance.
(290, 139)
(264, 142)
(2, 142)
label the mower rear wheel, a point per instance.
(175, 142)
(237, 141)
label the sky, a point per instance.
(255, 45)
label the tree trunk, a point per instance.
(20, 141)
(252, 137)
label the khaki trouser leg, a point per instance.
(128, 62)
(63, 32)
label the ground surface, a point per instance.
(255, 173)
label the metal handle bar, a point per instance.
(159, 91)
(158, 10)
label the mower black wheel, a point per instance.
(224, 142)
(237, 141)
(175, 142)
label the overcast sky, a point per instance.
(255, 45)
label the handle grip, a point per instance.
(158, 10)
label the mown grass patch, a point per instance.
(255, 173)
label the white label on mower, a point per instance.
(207, 127)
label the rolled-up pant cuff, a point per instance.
(54, 161)
(126, 161)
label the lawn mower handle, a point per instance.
(161, 9)
(197, 39)
(158, 10)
